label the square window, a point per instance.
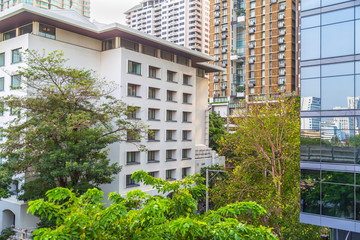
(171, 76)
(187, 98)
(170, 174)
(2, 59)
(186, 135)
(154, 72)
(153, 114)
(15, 81)
(170, 135)
(185, 172)
(171, 155)
(153, 135)
(171, 96)
(46, 31)
(153, 156)
(186, 154)
(131, 182)
(133, 136)
(154, 93)
(16, 55)
(171, 115)
(187, 80)
(132, 90)
(2, 84)
(186, 117)
(134, 68)
(133, 158)
(133, 112)
(154, 174)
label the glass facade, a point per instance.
(330, 115)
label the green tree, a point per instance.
(61, 128)
(216, 129)
(141, 216)
(265, 153)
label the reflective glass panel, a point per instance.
(310, 21)
(337, 69)
(357, 67)
(357, 202)
(337, 16)
(310, 72)
(355, 101)
(331, 44)
(336, 91)
(310, 43)
(337, 200)
(330, 2)
(310, 123)
(310, 197)
(309, 4)
(310, 94)
(357, 41)
(310, 144)
(357, 12)
(308, 175)
(337, 177)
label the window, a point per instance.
(134, 68)
(133, 136)
(154, 174)
(186, 117)
(130, 45)
(151, 51)
(14, 111)
(108, 44)
(187, 80)
(186, 135)
(132, 158)
(167, 56)
(132, 90)
(2, 84)
(170, 155)
(186, 154)
(16, 55)
(15, 81)
(187, 98)
(185, 171)
(200, 72)
(153, 156)
(25, 29)
(131, 182)
(170, 174)
(170, 135)
(153, 114)
(170, 115)
(2, 59)
(154, 93)
(9, 34)
(154, 72)
(171, 96)
(171, 76)
(46, 31)
(153, 135)
(133, 112)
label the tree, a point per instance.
(141, 216)
(264, 151)
(216, 129)
(62, 128)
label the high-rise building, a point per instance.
(166, 82)
(184, 22)
(81, 6)
(256, 41)
(330, 92)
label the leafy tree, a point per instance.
(141, 216)
(216, 129)
(265, 153)
(62, 128)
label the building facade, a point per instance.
(257, 42)
(165, 81)
(184, 22)
(81, 6)
(330, 115)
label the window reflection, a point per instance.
(337, 16)
(310, 95)
(357, 41)
(337, 93)
(310, 72)
(310, 44)
(310, 142)
(337, 69)
(337, 200)
(330, 2)
(309, 4)
(311, 21)
(331, 44)
(310, 197)
(337, 177)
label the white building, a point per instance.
(166, 81)
(184, 22)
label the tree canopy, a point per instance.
(264, 153)
(61, 128)
(216, 129)
(141, 216)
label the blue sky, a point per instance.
(109, 11)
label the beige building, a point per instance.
(81, 6)
(257, 42)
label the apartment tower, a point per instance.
(184, 22)
(81, 6)
(256, 41)
(330, 116)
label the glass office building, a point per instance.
(330, 116)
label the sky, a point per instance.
(109, 11)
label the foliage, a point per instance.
(61, 128)
(216, 129)
(240, 88)
(6, 233)
(141, 216)
(264, 151)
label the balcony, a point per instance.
(251, 83)
(252, 44)
(282, 63)
(224, 29)
(217, 7)
(235, 57)
(217, 14)
(281, 16)
(273, 1)
(252, 23)
(224, 65)
(282, 31)
(281, 80)
(224, 50)
(251, 59)
(223, 36)
(216, 79)
(217, 22)
(282, 6)
(241, 19)
(282, 71)
(281, 24)
(282, 47)
(281, 40)
(252, 29)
